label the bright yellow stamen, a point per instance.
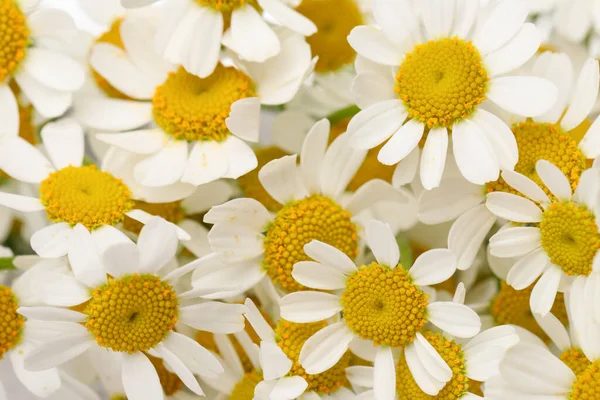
(169, 381)
(570, 237)
(250, 184)
(576, 360)
(191, 108)
(541, 141)
(291, 337)
(85, 195)
(587, 385)
(223, 5)
(14, 37)
(111, 36)
(132, 313)
(511, 306)
(244, 389)
(299, 222)
(334, 20)
(11, 323)
(442, 81)
(118, 397)
(452, 353)
(383, 305)
(171, 212)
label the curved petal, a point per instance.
(325, 348)
(309, 306)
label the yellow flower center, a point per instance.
(587, 385)
(118, 397)
(11, 323)
(14, 37)
(511, 306)
(541, 141)
(457, 386)
(442, 81)
(132, 313)
(576, 360)
(111, 36)
(169, 381)
(250, 184)
(244, 389)
(383, 305)
(85, 195)
(570, 237)
(171, 212)
(224, 6)
(291, 337)
(313, 218)
(334, 20)
(191, 108)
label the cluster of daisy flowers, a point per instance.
(299, 199)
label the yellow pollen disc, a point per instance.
(383, 305)
(169, 381)
(334, 20)
(223, 5)
(171, 212)
(250, 184)
(576, 360)
(511, 307)
(291, 337)
(452, 353)
(540, 141)
(442, 81)
(85, 195)
(132, 313)
(118, 397)
(111, 36)
(11, 323)
(244, 389)
(14, 37)
(313, 218)
(191, 108)
(570, 237)
(587, 385)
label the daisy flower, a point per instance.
(47, 77)
(381, 303)
(108, 322)
(560, 240)
(237, 24)
(424, 86)
(252, 241)
(562, 136)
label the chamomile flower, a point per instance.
(250, 240)
(237, 24)
(419, 88)
(560, 240)
(129, 305)
(381, 303)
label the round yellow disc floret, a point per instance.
(191, 108)
(111, 36)
(244, 389)
(540, 141)
(298, 223)
(11, 323)
(587, 385)
(250, 184)
(118, 397)
(383, 305)
(85, 195)
(225, 6)
(171, 212)
(452, 353)
(442, 81)
(576, 360)
(14, 37)
(132, 313)
(511, 307)
(334, 20)
(169, 381)
(570, 237)
(291, 337)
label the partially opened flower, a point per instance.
(128, 304)
(381, 303)
(426, 78)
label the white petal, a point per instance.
(588, 188)
(251, 36)
(195, 357)
(51, 241)
(474, 154)
(454, 197)
(24, 162)
(207, 163)
(313, 154)
(456, 319)
(420, 374)
(361, 375)
(372, 192)
(515, 241)
(57, 352)
(584, 95)
(40, 383)
(240, 157)
(527, 96)
(373, 125)
(144, 218)
(244, 211)
(214, 317)
(526, 186)
(121, 259)
(502, 23)
(485, 363)
(433, 266)
(180, 369)
(503, 336)
(555, 330)
(52, 314)
(397, 20)
(146, 141)
(468, 233)
(274, 361)
(20, 203)
(512, 207)
(433, 158)
(590, 144)
(244, 118)
(528, 269)
(383, 244)
(112, 114)
(370, 88)
(63, 140)
(373, 44)
(318, 276)
(325, 348)
(431, 360)
(53, 69)
(554, 179)
(48, 102)
(84, 259)
(401, 143)
(9, 112)
(140, 378)
(544, 291)
(288, 17)
(157, 245)
(165, 167)
(500, 137)
(309, 306)
(280, 180)
(258, 322)
(406, 169)
(235, 242)
(339, 166)
(384, 374)
(327, 254)
(515, 53)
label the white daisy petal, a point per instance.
(339, 166)
(57, 352)
(373, 44)
(431, 360)
(433, 158)
(325, 348)
(251, 36)
(401, 143)
(9, 112)
(485, 363)
(554, 179)
(235, 242)
(204, 51)
(590, 144)
(528, 269)
(288, 17)
(53, 69)
(588, 188)
(513, 208)
(52, 314)
(502, 23)
(384, 375)
(503, 336)
(84, 260)
(40, 383)
(145, 141)
(584, 95)
(454, 197)
(165, 167)
(527, 96)
(309, 306)
(474, 154)
(112, 114)
(262, 328)
(464, 17)
(64, 142)
(240, 157)
(433, 266)
(383, 243)
(437, 17)
(20, 203)
(24, 162)
(144, 218)
(515, 241)
(397, 20)
(544, 291)
(555, 330)
(420, 374)
(194, 356)
(157, 244)
(526, 186)
(361, 375)
(273, 360)
(207, 162)
(313, 154)
(406, 169)
(376, 123)
(244, 118)
(215, 317)
(121, 259)
(244, 211)
(327, 254)
(515, 53)
(468, 233)
(373, 192)
(48, 102)
(456, 319)
(370, 88)
(140, 378)
(500, 137)
(279, 178)
(318, 276)
(180, 369)
(52, 241)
